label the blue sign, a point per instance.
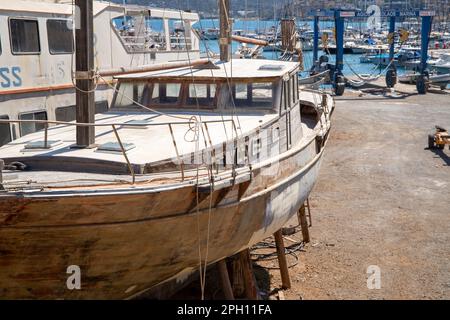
(10, 77)
(362, 14)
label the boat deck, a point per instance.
(156, 134)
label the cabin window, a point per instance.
(69, 113)
(241, 91)
(169, 93)
(101, 107)
(30, 127)
(289, 130)
(131, 95)
(203, 94)
(5, 131)
(24, 36)
(291, 92)
(179, 35)
(165, 93)
(131, 33)
(286, 101)
(258, 95)
(60, 37)
(294, 90)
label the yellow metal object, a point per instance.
(440, 139)
(325, 39)
(390, 38)
(404, 35)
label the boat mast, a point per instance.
(85, 93)
(225, 30)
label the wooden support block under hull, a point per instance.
(225, 280)
(244, 281)
(282, 262)
(303, 223)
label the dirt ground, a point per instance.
(382, 199)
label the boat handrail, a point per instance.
(82, 124)
(114, 126)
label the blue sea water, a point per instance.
(260, 26)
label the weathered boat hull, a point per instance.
(126, 243)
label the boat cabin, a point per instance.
(248, 111)
(261, 85)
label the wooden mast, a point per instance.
(85, 94)
(288, 39)
(225, 30)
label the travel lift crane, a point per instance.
(336, 75)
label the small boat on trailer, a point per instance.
(131, 210)
(438, 80)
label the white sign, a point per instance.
(427, 13)
(346, 14)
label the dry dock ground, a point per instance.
(382, 199)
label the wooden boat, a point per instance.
(80, 206)
(194, 162)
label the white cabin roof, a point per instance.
(65, 8)
(47, 7)
(237, 69)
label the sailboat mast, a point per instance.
(225, 30)
(85, 95)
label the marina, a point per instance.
(152, 153)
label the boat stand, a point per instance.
(225, 279)
(282, 262)
(302, 221)
(244, 281)
(243, 278)
(281, 252)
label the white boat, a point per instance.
(442, 64)
(371, 52)
(440, 80)
(37, 46)
(209, 34)
(354, 48)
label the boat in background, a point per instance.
(442, 64)
(37, 55)
(440, 80)
(371, 52)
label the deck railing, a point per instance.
(203, 128)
